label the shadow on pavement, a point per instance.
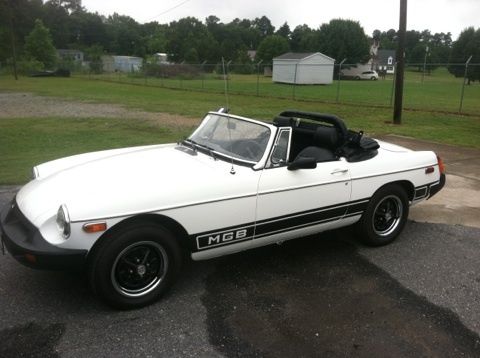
(319, 297)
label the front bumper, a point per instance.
(26, 244)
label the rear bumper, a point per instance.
(26, 244)
(434, 189)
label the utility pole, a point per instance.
(12, 38)
(399, 74)
(425, 63)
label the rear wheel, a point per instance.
(136, 266)
(385, 217)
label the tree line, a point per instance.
(191, 40)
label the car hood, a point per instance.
(129, 181)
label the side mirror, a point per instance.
(303, 163)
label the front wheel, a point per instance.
(136, 266)
(385, 217)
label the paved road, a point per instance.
(317, 296)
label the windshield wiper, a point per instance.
(195, 145)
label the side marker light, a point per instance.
(94, 227)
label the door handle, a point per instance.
(339, 171)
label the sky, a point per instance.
(435, 15)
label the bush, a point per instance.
(27, 67)
(183, 71)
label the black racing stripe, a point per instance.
(357, 207)
(345, 204)
(305, 219)
(233, 234)
(306, 225)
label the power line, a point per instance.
(168, 10)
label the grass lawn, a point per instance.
(28, 141)
(439, 91)
(25, 142)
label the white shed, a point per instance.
(121, 63)
(303, 68)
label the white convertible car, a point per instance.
(130, 216)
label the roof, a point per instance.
(383, 55)
(300, 56)
(294, 55)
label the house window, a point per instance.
(390, 60)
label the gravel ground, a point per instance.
(20, 105)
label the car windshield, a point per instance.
(232, 137)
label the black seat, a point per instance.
(326, 142)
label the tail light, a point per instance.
(441, 165)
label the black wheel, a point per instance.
(357, 78)
(374, 78)
(385, 217)
(136, 266)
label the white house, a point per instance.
(303, 68)
(386, 61)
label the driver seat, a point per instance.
(326, 142)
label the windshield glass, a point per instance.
(232, 137)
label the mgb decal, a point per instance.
(224, 237)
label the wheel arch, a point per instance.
(405, 184)
(170, 224)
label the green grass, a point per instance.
(25, 142)
(439, 91)
(28, 141)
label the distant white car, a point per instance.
(130, 216)
(367, 75)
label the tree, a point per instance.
(94, 56)
(56, 18)
(284, 31)
(264, 26)
(467, 44)
(304, 39)
(87, 29)
(187, 34)
(272, 46)
(124, 33)
(341, 39)
(39, 46)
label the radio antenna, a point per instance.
(225, 84)
(232, 170)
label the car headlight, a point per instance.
(63, 221)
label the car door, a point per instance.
(293, 203)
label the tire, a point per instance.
(373, 78)
(357, 78)
(135, 267)
(385, 217)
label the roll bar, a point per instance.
(319, 117)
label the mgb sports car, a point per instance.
(129, 217)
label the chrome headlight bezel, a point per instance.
(63, 221)
(34, 172)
